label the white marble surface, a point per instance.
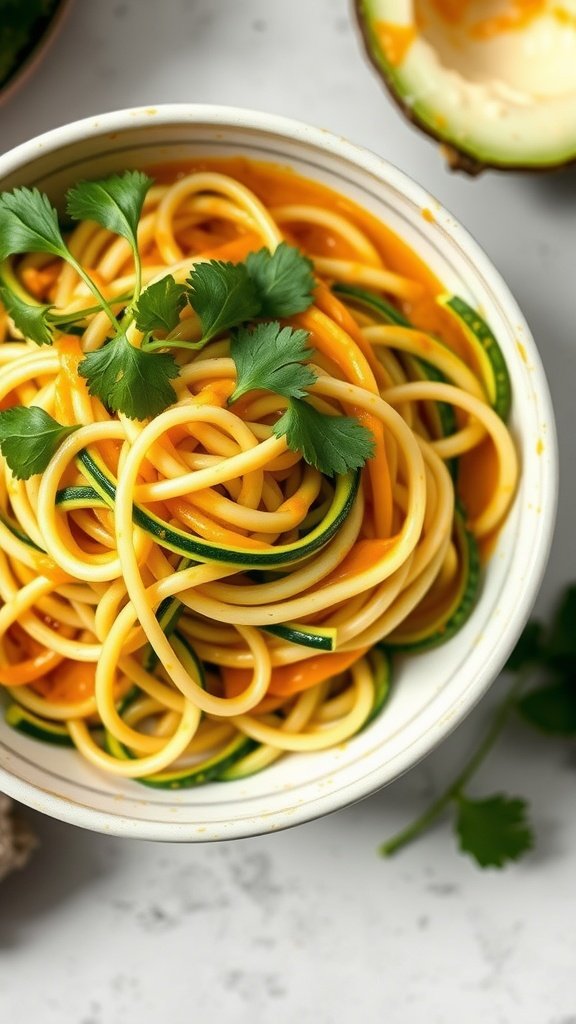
(310, 925)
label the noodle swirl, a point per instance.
(161, 662)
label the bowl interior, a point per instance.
(433, 691)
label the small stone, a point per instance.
(16, 839)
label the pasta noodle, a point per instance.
(186, 598)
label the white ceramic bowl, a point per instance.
(432, 692)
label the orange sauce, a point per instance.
(364, 555)
(276, 185)
(290, 679)
(522, 13)
(71, 682)
(202, 525)
(395, 40)
(477, 477)
(515, 15)
(8, 401)
(70, 355)
(451, 10)
(46, 566)
(37, 662)
(40, 282)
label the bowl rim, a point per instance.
(219, 116)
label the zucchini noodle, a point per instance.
(185, 599)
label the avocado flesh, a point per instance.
(495, 96)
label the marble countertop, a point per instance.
(311, 925)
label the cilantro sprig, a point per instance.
(273, 358)
(245, 300)
(126, 378)
(29, 223)
(116, 203)
(495, 830)
(269, 357)
(227, 295)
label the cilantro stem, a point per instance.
(81, 314)
(151, 346)
(94, 289)
(138, 269)
(435, 809)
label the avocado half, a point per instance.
(493, 80)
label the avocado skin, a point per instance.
(457, 158)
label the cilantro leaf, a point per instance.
(30, 319)
(333, 444)
(528, 650)
(552, 709)
(129, 380)
(283, 278)
(29, 223)
(160, 304)
(223, 296)
(29, 437)
(114, 203)
(494, 830)
(271, 357)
